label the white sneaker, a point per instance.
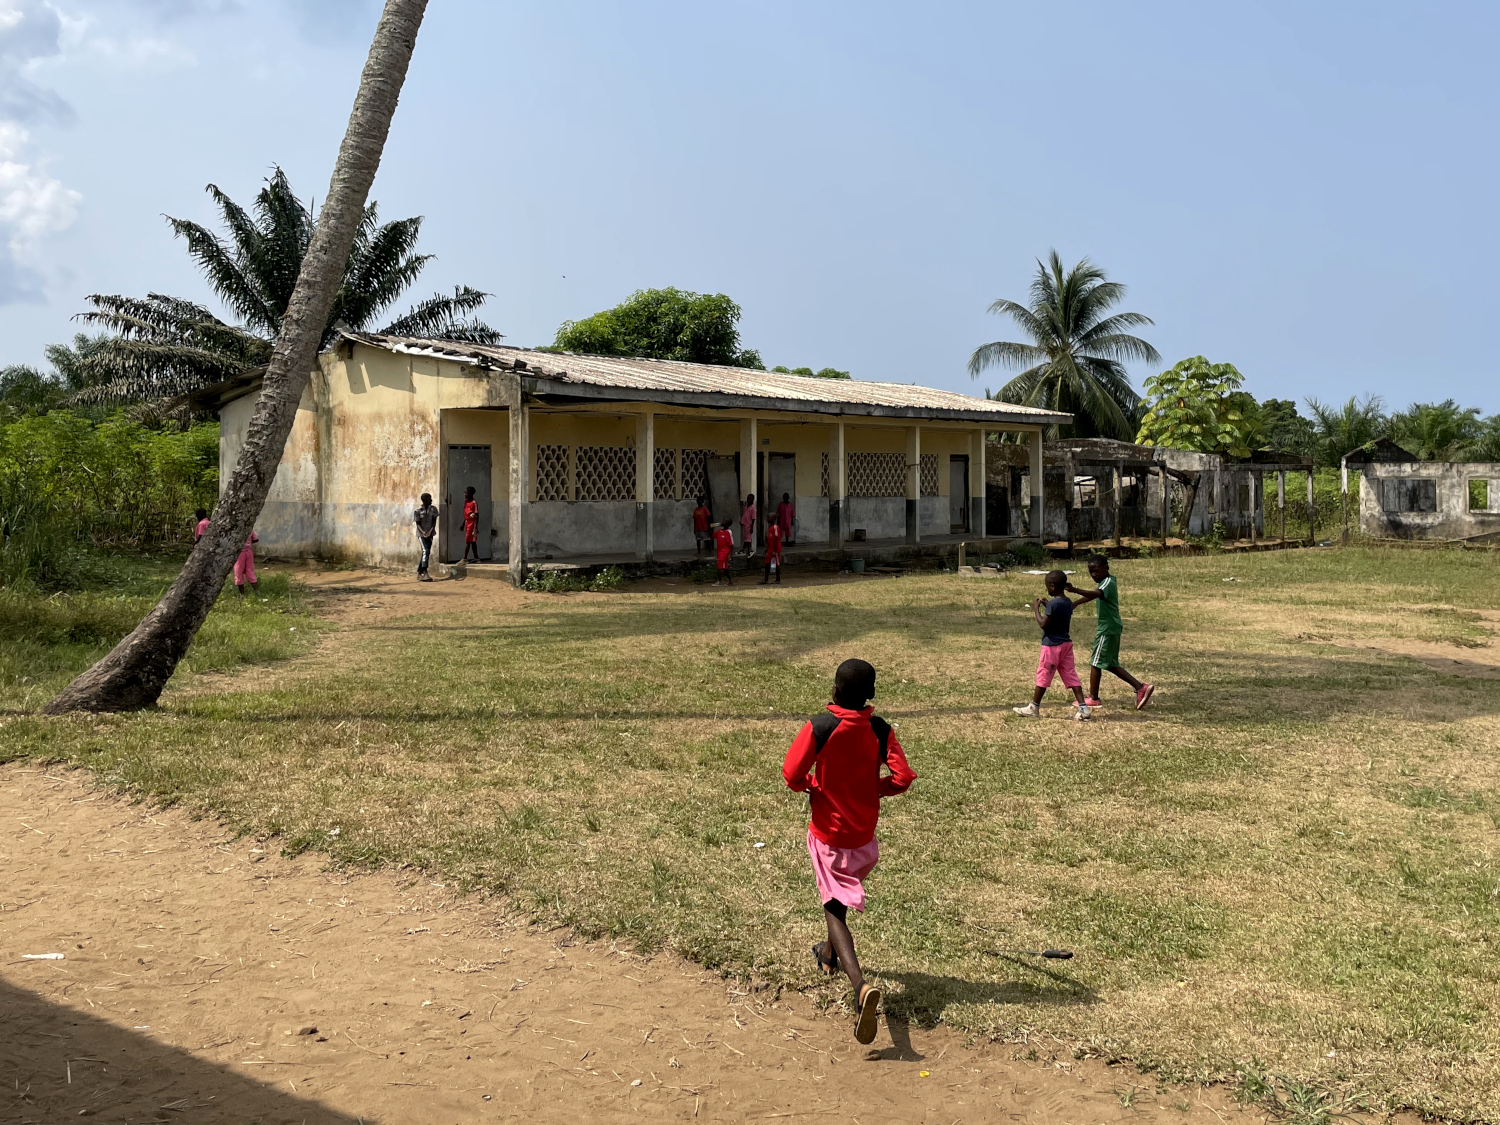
(1030, 711)
(1082, 713)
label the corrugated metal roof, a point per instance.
(561, 370)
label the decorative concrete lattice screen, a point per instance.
(606, 472)
(877, 474)
(694, 473)
(666, 474)
(929, 480)
(552, 472)
(825, 475)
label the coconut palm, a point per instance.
(1076, 359)
(1438, 431)
(163, 347)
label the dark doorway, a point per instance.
(781, 480)
(467, 465)
(958, 494)
(996, 512)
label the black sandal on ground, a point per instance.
(827, 957)
(867, 1002)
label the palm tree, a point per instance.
(1075, 360)
(164, 347)
(1340, 429)
(1438, 431)
(136, 670)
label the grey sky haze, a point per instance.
(1301, 190)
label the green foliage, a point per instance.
(1342, 429)
(1199, 405)
(67, 481)
(1075, 360)
(663, 324)
(1284, 429)
(565, 582)
(1441, 431)
(821, 373)
(162, 347)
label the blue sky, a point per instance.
(1301, 190)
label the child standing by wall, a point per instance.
(1054, 616)
(702, 528)
(837, 759)
(748, 515)
(724, 550)
(1106, 653)
(471, 524)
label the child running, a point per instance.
(844, 751)
(724, 550)
(1106, 654)
(1054, 616)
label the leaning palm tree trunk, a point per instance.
(138, 668)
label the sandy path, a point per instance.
(196, 966)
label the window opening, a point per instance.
(665, 474)
(606, 472)
(552, 472)
(927, 475)
(877, 474)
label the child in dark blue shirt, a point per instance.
(1054, 615)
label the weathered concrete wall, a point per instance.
(882, 517)
(1383, 486)
(559, 528)
(290, 524)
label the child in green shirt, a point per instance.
(1106, 651)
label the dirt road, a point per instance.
(206, 979)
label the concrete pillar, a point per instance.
(645, 484)
(1036, 526)
(749, 484)
(1255, 505)
(520, 482)
(1166, 503)
(914, 484)
(1119, 500)
(1281, 501)
(838, 486)
(1311, 521)
(978, 485)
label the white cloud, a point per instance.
(32, 203)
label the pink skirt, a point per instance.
(841, 872)
(244, 566)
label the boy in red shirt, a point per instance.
(724, 548)
(773, 552)
(844, 750)
(702, 523)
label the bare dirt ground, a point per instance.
(208, 979)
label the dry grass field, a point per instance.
(1284, 871)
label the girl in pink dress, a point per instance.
(244, 567)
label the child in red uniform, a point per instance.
(201, 515)
(702, 527)
(471, 524)
(773, 552)
(724, 549)
(785, 514)
(845, 749)
(244, 567)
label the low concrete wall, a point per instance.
(933, 516)
(811, 526)
(882, 517)
(582, 527)
(672, 525)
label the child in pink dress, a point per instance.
(244, 567)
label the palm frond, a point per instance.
(1003, 353)
(442, 317)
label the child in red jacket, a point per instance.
(844, 751)
(723, 550)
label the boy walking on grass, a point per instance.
(838, 758)
(724, 550)
(1054, 616)
(1106, 652)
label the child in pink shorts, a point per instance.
(244, 566)
(1055, 616)
(838, 758)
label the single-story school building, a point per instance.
(597, 458)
